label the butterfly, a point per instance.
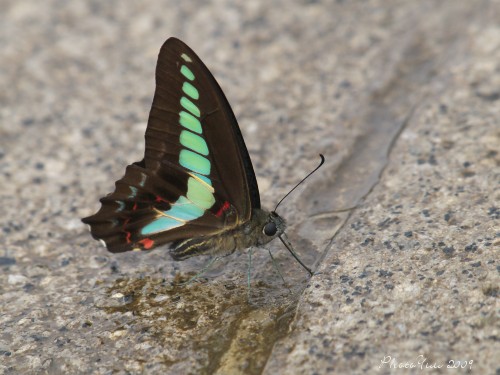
(195, 188)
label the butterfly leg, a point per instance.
(203, 270)
(276, 267)
(249, 273)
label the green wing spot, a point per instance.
(161, 224)
(203, 178)
(186, 72)
(186, 58)
(185, 212)
(133, 193)
(199, 195)
(194, 142)
(190, 90)
(190, 106)
(190, 122)
(189, 207)
(195, 162)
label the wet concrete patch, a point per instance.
(210, 318)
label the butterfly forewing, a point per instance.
(196, 178)
(194, 99)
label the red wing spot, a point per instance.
(135, 207)
(147, 243)
(160, 199)
(223, 208)
(127, 233)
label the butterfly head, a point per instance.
(274, 226)
(267, 225)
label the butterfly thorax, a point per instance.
(262, 227)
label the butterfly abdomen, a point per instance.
(227, 242)
(215, 245)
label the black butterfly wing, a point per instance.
(196, 178)
(232, 172)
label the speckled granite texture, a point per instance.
(401, 224)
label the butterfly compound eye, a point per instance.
(270, 229)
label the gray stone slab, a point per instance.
(401, 224)
(412, 277)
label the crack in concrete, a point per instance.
(386, 117)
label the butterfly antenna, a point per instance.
(301, 181)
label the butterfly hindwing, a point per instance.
(135, 214)
(196, 178)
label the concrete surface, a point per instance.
(401, 224)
